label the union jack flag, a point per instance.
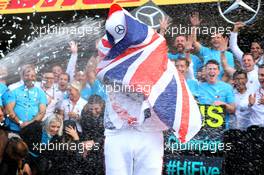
(136, 55)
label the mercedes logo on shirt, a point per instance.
(239, 4)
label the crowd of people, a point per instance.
(224, 75)
(67, 106)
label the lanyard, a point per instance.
(69, 106)
(53, 93)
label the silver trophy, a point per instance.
(235, 5)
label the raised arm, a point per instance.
(229, 70)
(233, 41)
(164, 24)
(91, 70)
(73, 60)
(195, 21)
(188, 48)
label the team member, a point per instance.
(92, 123)
(36, 135)
(236, 159)
(256, 50)
(256, 101)
(26, 103)
(252, 71)
(218, 42)
(62, 89)
(13, 163)
(182, 65)
(181, 49)
(52, 94)
(242, 94)
(71, 108)
(92, 86)
(3, 90)
(214, 91)
(256, 129)
(21, 82)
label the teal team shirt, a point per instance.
(27, 103)
(210, 54)
(3, 90)
(193, 86)
(220, 91)
(95, 89)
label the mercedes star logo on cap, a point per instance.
(120, 29)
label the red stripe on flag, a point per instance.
(185, 111)
(150, 71)
(106, 43)
(131, 50)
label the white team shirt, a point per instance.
(67, 107)
(54, 96)
(253, 82)
(243, 112)
(257, 117)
